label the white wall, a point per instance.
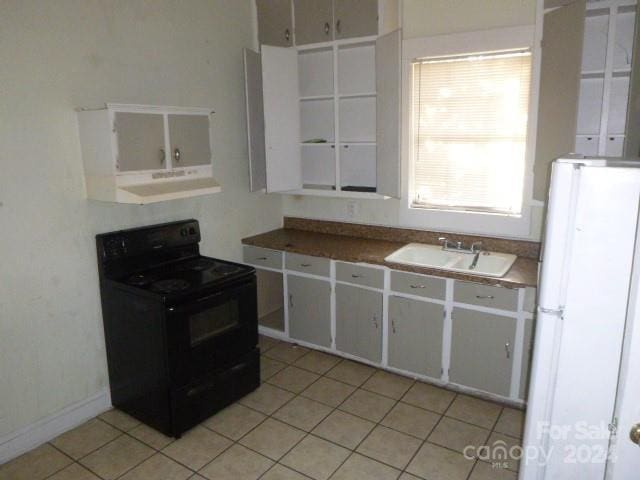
(421, 18)
(62, 54)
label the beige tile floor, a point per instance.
(314, 416)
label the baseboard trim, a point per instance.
(31, 436)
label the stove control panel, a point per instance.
(140, 241)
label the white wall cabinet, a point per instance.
(318, 21)
(604, 86)
(470, 336)
(145, 154)
(275, 22)
(324, 119)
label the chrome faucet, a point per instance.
(459, 246)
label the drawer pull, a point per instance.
(305, 265)
(507, 348)
(418, 286)
(485, 297)
(291, 300)
(375, 321)
(354, 275)
(393, 326)
(262, 258)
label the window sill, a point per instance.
(465, 221)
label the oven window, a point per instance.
(214, 321)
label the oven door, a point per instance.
(212, 332)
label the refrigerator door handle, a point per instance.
(556, 312)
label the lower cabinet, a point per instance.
(482, 350)
(309, 310)
(415, 336)
(359, 322)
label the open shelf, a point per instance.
(358, 95)
(318, 165)
(315, 72)
(358, 167)
(357, 120)
(317, 120)
(356, 68)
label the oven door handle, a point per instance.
(181, 308)
(209, 297)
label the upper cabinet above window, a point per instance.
(323, 116)
(283, 23)
(275, 22)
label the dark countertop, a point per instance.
(523, 273)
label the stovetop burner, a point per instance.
(225, 269)
(184, 276)
(170, 285)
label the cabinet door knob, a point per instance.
(507, 348)
(162, 156)
(338, 26)
(327, 28)
(375, 321)
(177, 155)
(393, 326)
(634, 434)
(291, 300)
(287, 34)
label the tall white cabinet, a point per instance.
(324, 118)
(604, 84)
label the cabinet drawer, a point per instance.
(358, 274)
(262, 257)
(486, 295)
(420, 285)
(307, 264)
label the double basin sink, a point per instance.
(491, 264)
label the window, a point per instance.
(468, 136)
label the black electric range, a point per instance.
(181, 329)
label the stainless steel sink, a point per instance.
(491, 264)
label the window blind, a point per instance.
(469, 124)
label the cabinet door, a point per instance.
(255, 120)
(415, 336)
(189, 136)
(388, 85)
(359, 322)
(275, 26)
(355, 18)
(140, 138)
(482, 350)
(309, 310)
(314, 21)
(559, 89)
(281, 118)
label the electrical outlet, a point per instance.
(352, 209)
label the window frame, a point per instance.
(442, 219)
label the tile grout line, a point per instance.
(309, 433)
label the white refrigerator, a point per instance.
(579, 363)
